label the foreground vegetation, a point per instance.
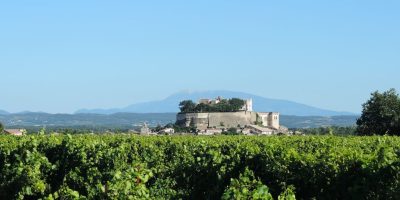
(133, 167)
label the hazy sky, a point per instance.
(62, 56)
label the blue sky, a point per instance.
(62, 56)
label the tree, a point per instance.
(203, 108)
(381, 114)
(231, 131)
(187, 106)
(236, 103)
(1, 128)
(158, 128)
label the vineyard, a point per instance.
(223, 167)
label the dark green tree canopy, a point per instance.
(225, 105)
(1, 127)
(236, 103)
(381, 114)
(187, 106)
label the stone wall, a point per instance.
(218, 120)
(200, 120)
(232, 119)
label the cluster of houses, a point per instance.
(145, 130)
(247, 130)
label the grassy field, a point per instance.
(193, 167)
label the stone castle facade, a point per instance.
(245, 118)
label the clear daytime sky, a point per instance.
(61, 56)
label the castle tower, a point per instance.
(145, 130)
(249, 105)
(273, 120)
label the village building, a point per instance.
(259, 130)
(168, 131)
(210, 131)
(15, 132)
(145, 130)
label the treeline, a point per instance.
(225, 105)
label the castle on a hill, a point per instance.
(245, 120)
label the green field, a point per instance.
(186, 167)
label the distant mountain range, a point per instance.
(118, 120)
(131, 120)
(293, 115)
(2, 112)
(261, 104)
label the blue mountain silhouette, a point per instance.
(260, 104)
